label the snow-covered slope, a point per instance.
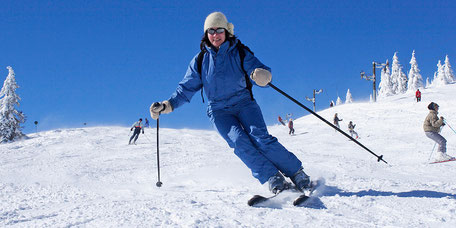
(90, 177)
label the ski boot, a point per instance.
(442, 156)
(277, 183)
(301, 180)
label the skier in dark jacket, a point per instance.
(290, 125)
(233, 112)
(137, 126)
(147, 123)
(351, 129)
(336, 120)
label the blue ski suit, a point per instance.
(232, 111)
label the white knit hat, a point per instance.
(218, 19)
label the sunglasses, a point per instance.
(218, 31)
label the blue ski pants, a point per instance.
(243, 127)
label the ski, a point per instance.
(436, 162)
(257, 199)
(300, 200)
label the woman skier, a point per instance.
(431, 127)
(231, 108)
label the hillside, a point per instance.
(91, 177)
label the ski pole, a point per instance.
(159, 183)
(147, 138)
(446, 123)
(380, 158)
(432, 152)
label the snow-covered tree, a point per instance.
(348, 97)
(415, 80)
(428, 83)
(338, 101)
(439, 76)
(10, 118)
(385, 88)
(398, 78)
(448, 71)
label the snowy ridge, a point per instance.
(90, 177)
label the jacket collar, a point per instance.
(224, 48)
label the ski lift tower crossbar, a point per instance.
(313, 99)
(373, 78)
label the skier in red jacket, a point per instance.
(418, 95)
(281, 121)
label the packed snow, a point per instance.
(91, 177)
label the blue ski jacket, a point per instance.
(221, 76)
(233, 113)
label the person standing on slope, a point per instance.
(431, 127)
(231, 108)
(147, 123)
(290, 126)
(351, 129)
(336, 120)
(138, 126)
(418, 95)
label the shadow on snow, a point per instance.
(332, 190)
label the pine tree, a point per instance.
(439, 76)
(10, 118)
(448, 71)
(398, 78)
(415, 81)
(385, 86)
(428, 83)
(338, 101)
(349, 98)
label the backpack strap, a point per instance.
(242, 48)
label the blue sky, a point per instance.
(105, 62)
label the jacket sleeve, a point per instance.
(251, 63)
(190, 84)
(435, 121)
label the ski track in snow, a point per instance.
(90, 177)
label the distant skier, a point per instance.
(431, 127)
(281, 121)
(147, 123)
(289, 116)
(336, 120)
(290, 126)
(138, 126)
(351, 129)
(231, 107)
(418, 95)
